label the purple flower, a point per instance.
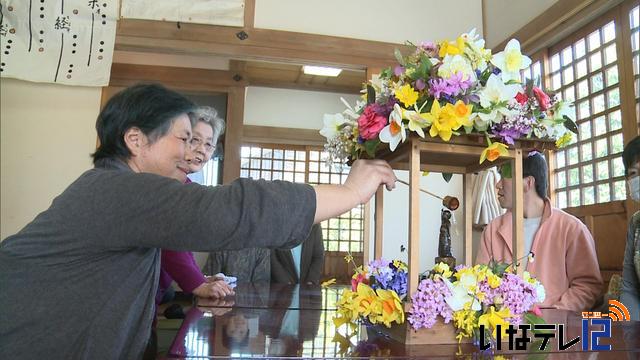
(420, 84)
(437, 87)
(429, 303)
(382, 110)
(513, 128)
(398, 70)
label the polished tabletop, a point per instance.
(297, 321)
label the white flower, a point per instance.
(332, 122)
(416, 121)
(460, 296)
(511, 61)
(393, 133)
(497, 91)
(456, 64)
(540, 292)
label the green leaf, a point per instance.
(386, 73)
(498, 268)
(399, 57)
(570, 124)
(447, 176)
(371, 94)
(505, 171)
(533, 319)
(370, 147)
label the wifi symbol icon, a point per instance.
(618, 311)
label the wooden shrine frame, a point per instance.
(460, 156)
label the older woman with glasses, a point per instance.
(79, 281)
(181, 266)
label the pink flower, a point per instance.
(370, 123)
(536, 311)
(357, 279)
(522, 98)
(543, 99)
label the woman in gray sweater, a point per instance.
(79, 281)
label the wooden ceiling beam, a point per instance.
(253, 44)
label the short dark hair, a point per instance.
(535, 165)
(149, 107)
(631, 154)
(231, 343)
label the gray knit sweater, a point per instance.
(79, 281)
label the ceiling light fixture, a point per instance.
(321, 70)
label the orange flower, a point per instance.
(493, 151)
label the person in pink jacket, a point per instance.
(562, 250)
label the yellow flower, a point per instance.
(443, 121)
(328, 282)
(452, 48)
(493, 280)
(400, 265)
(564, 140)
(407, 95)
(443, 269)
(465, 321)
(391, 307)
(493, 151)
(366, 300)
(462, 112)
(493, 318)
(348, 258)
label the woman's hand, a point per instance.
(364, 179)
(213, 289)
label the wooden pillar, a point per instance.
(233, 137)
(414, 216)
(467, 200)
(517, 208)
(366, 233)
(377, 249)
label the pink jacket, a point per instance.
(565, 257)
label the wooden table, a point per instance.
(284, 326)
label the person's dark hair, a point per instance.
(231, 343)
(149, 107)
(631, 154)
(535, 165)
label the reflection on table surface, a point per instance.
(286, 327)
(278, 296)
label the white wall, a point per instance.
(46, 135)
(304, 109)
(388, 21)
(291, 108)
(396, 219)
(504, 17)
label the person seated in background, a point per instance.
(301, 265)
(181, 266)
(563, 248)
(247, 265)
(630, 295)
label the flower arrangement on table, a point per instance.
(486, 295)
(376, 294)
(448, 89)
(467, 297)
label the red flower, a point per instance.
(522, 98)
(370, 123)
(543, 99)
(359, 278)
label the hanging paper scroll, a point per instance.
(210, 12)
(58, 41)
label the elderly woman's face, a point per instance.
(166, 156)
(202, 146)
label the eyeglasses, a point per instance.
(196, 142)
